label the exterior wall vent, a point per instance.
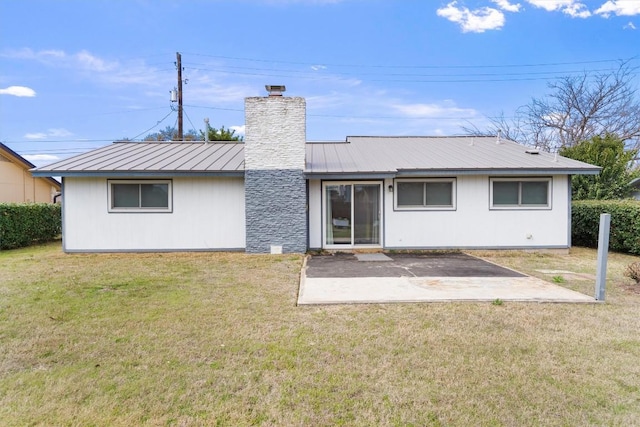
(275, 90)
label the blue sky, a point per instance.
(78, 74)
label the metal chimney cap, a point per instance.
(275, 90)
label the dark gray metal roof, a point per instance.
(406, 156)
(367, 157)
(153, 158)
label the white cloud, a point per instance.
(60, 132)
(573, 8)
(51, 133)
(239, 129)
(40, 157)
(473, 21)
(552, 5)
(318, 67)
(629, 26)
(619, 8)
(36, 135)
(92, 66)
(93, 63)
(505, 5)
(577, 10)
(21, 91)
(446, 109)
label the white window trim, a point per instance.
(519, 206)
(451, 207)
(168, 209)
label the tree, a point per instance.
(170, 133)
(221, 134)
(609, 153)
(578, 108)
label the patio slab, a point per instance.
(342, 279)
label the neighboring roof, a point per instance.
(406, 156)
(153, 159)
(26, 164)
(359, 156)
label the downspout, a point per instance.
(569, 219)
(308, 230)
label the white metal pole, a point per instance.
(603, 250)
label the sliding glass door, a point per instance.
(352, 214)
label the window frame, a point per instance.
(520, 205)
(139, 209)
(425, 181)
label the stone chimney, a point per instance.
(275, 186)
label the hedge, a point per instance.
(625, 224)
(28, 223)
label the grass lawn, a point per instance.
(216, 339)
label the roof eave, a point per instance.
(501, 171)
(349, 175)
(141, 174)
(449, 172)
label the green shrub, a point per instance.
(625, 224)
(28, 223)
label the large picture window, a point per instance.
(530, 193)
(425, 194)
(139, 196)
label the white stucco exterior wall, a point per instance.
(208, 214)
(471, 225)
(474, 225)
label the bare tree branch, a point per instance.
(576, 109)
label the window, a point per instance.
(140, 196)
(425, 194)
(532, 193)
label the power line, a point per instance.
(466, 80)
(60, 140)
(528, 73)
(189, 119)
(215, 108)
(548, 64)
(147, 131)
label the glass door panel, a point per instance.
(366, 214)
(338, 214)
(352, 214)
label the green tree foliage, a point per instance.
(170, 133)
(221, 134)
(609, 153)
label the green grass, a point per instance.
(216, 339)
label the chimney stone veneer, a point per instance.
(275, 185)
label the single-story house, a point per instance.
(17, 185)
(276, 191)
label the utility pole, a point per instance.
(179, 65)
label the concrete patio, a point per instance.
(386, 278)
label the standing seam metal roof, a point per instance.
(154, 157)
(358, 155)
